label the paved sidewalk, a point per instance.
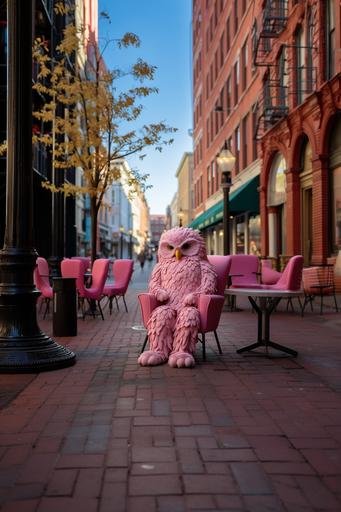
(237, 433)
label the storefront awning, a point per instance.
(244, 199)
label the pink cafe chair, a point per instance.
(75, 268)
(42, 282)
(122, 271)
(210, 306)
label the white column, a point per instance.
(272, 221)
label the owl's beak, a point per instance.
(178, 254)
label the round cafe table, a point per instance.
(267, 302)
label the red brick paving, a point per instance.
(239, 432)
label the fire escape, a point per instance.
(272, 104)
(281, 81)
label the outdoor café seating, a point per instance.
(122, 271)
(318, 281)
(75, 268)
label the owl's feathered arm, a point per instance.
(207, 286)
(155, 284)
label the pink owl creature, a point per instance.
(181, 274)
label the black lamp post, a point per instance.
(226, 161)
(131, 244)
(121, 241)
(181, 216)
(23, 346)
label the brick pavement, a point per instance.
(237, 433)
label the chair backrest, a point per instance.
(41, 276)
(99, 274)
(222, 266)
(318, 279)
(86, 260)
(122, 271)
(269, 275)
(291, 278)
(73, 268)
(247, 265)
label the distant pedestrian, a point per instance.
(141, 258)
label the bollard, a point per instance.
(64, 306)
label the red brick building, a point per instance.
(298, 48)
(226, 87)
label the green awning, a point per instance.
(244, 199)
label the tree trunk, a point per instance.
(93, 215)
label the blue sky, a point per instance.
(164, 29)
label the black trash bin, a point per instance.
(64, 306)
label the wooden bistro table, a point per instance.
(267, 302)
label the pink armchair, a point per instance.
(75, 268)
(210, 306)
(122, 271)
(42, 282)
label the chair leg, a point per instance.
(203, 341)
(125, 305)
(144, 343)
(217, 340)
(110, 304)
(117, 303)
(335, 301)
(47, 309)
(100, 309)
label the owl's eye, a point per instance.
(170, 247)
(186, 245)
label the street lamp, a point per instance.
(181, 216)
(121, 241)
(130, 243)
(226, 161)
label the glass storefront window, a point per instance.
(336, 209)
(277, 182)
(240, 235)
(254, 235)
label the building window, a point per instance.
(282, 79)
(335, 183)
(236, 21)
(237, 147)
(254, 132)
(309, 54)
(228, 35)
(244, 65)
(330, 38)
(236, 81)
(228, 95)
(299, 65)
(208, 170)
(244, 141)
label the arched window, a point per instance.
(277, 181)
(335, 183)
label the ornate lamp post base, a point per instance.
(24, 348)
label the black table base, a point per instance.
(264, 309)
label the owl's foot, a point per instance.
(150, 358)
(181, 360)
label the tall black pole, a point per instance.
(226, 220)
(23, 346)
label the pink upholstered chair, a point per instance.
(122, 271)
(42, 282)
(75, 268)
(268, 274)
(86, 260)
(244, 270)
(210, 306)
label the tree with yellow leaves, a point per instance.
(91, 121)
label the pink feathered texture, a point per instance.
(173, 327)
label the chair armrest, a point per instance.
(148, 303)
(210, 307)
